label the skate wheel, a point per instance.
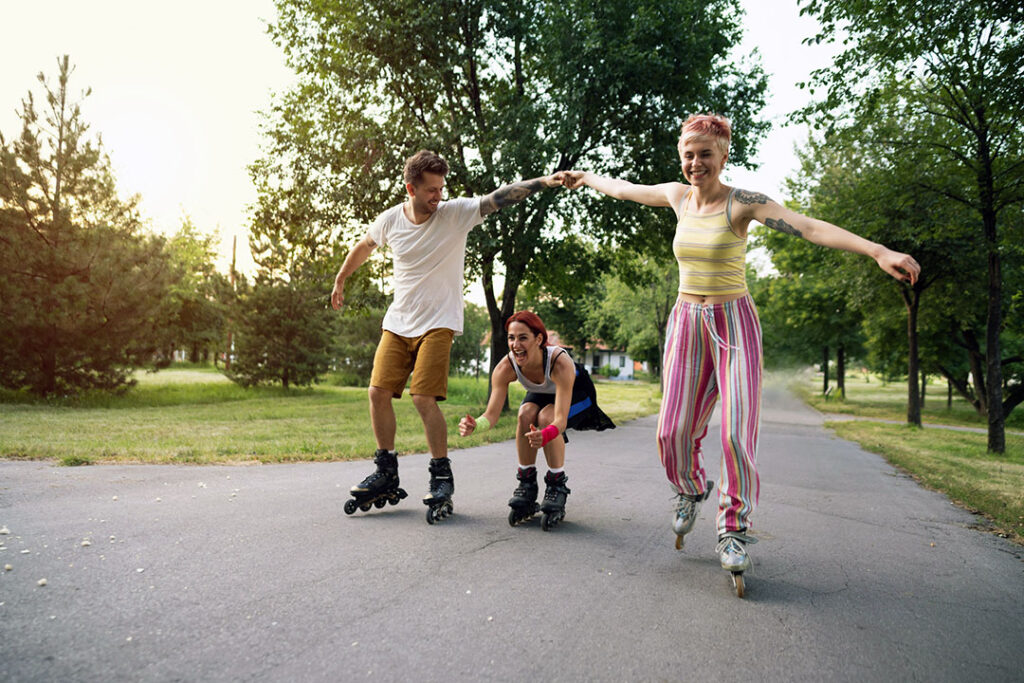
(430, 516)
(737, 582)
(380, 502)
(513, 518)
(679, 542)
(394, 500)
(545, 522)
(350, 507)
(365, 506)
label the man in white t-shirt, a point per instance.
(428, 242)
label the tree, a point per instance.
(467, 349)
(283, 333)
(80, 283)
(955, 62)
(634, 312)
(193, 311)
(843, 181)
(504, 91)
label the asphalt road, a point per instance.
(253, 573)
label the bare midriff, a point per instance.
(711, 298)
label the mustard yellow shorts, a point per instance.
(426, 357)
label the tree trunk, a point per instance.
(841, 371)
(924, 388)
(993, 351)
(994, 321)
(824, 370)
(912, 300)
(949, 395)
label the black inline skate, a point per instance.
(524, 500)
(380, 488)
(442, 486)
(553, 506)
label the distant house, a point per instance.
(611, 363)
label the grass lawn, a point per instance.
(869, 397)
(955, 462)
(195, 415)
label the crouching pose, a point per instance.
(560, 395)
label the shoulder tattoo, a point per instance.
(782, 226)
(747, 197)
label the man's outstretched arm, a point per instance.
(516, 192)
(355, 258)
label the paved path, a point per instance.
(252, 573)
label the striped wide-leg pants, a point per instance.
(712, 351)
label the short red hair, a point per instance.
(531, 320)
(711, 126)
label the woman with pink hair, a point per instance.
(713, 336)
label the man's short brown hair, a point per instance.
(423, 161)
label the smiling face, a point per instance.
(523, 343)
(427, 194)
(702, 160)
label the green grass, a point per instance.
(196, 416)
(867, 396)
(955, 463)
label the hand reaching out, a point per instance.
(573, 179)
(903, 267)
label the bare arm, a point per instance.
(501, 377)
(665, 194)
(355, 258)
(516, 192)
(749, 206)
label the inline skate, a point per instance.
(442, 486)
(687, 507)
(380, 488)
(524, 499)
(553, 507)
(732, 553)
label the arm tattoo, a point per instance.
(782, 226)
(508, 194)
(747, 197)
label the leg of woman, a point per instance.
(554, 450)
(527, 416)
(690, 391)
(739, 382)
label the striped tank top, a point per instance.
(712, 259)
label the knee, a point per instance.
(544, 418)
(379, 396)
(424, 404)
(527, 416)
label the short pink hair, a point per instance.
(711, 126)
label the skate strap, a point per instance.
(739, 536)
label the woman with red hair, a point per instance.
(713, 336)
(559, 395)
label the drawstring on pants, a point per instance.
(707, 314)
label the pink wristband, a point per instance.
(548, 433)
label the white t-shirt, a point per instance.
(430, 261)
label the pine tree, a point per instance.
(80, 283)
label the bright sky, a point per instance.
(176, 87)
